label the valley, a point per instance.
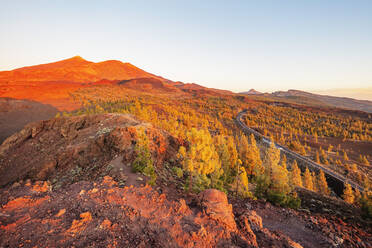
(108, 151)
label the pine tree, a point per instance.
(242, 182)
(295, 178)
(284, 160)
(232, 151)
(315, 183)
(280, 179)
(271, 160)
(223, 152)
(363, 159)
(317, 159)
(143, 162)
(250, 156)
(322, 183)
(308, 180)
(275, 176)
(256, 158)
(357, 195)
(346, 158)
(282, 139)
(330, 148)
(201, 158)
(244, 178)
(348, 195)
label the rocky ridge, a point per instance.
(67, 150)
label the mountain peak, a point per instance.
(252, 92)
(77, 69)
(76, 58)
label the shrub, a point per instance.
(143, 162)
(178, 172)
(366, 205)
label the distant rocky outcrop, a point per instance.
(332, 101)
(252, 92)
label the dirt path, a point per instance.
(125, 172)
(293, 226)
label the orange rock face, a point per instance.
(217, 207)
(126, 217)
(78, 226)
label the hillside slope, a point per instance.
(15, 114)
(90, 198)
(333, 101)
(66, 150)
(75, 69)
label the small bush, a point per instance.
(366, 206)
(143, 162)
(178, 172)
(200, 183)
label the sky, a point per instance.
(234, 45)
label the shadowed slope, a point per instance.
(15, 114)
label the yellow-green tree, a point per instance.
(201, 157)
(317, 159)
(273, 184)
(308, 180)
(295, 177)
(345, 157)
(225, 158)
(241, 183)
(250, 155)
(357, 196)
(363, 159)
(244, 178)
(143, 162)
(280, 182)
(315, 183)
(283, 162)
(233, 153)
(322, 183)
(348, 195)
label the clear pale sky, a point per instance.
(235, 45)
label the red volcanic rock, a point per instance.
(253, 219)
(215, 205)
(100, 214)
(65, 150)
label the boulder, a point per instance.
(216, 206)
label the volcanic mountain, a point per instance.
(53, 83)
(37, 92)
(76, 69)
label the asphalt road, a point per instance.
(310, 163)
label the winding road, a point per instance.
(330, 175)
